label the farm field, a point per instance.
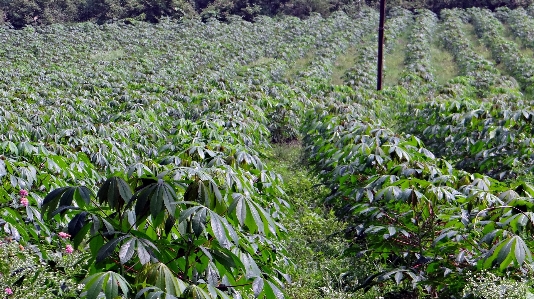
(256, 160)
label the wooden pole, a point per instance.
(381, 44)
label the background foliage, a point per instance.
(38, 12)
(142, 153)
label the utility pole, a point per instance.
(381, 44)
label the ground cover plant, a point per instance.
(136, 159)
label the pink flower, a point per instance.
(9, 291)
(64, 235)
(24, 201)
(23, 193)
(69, 249)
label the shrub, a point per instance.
(25, 274)
(490, 286)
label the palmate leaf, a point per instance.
(219, 226)
(142, 253)
(106, 282)
(212, 274)
(108, 248)
(196, 292)
(61, 199)
(127, 250)
(257, 286)
(198, 221)
(162, 278)
(3, 171)
(154, 198)
(115, 192)
(225, 257)
(510, 250)
(273, 291)
(77, 223)
(137, 241)
(250, 214)
(51, 201)
(154, 293)
(206, 192)
(251, 268)
(218, 230)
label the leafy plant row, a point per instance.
(178, 142)
(417, 214)
(490, 30)
(160, 136)
(418, 68)
(321, 66)
(471, 64)
(490, 135)
(522, 25)
(363, 74)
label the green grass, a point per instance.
(343, 62)
(315, 236)
(476, 43)
(480, 48)
(394, 61)
(107, 55)
(523, 48)
(300, 64)
(443, 63)
(261, 61)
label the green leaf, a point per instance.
(115, 192)
(108, 248)
(392, 230)
(111, 288)
(77, 223)
(51, 201)
(156, 201)
(142, 201)
(198, 221)
(257, 223)
(504, 251)
(275, 291)
(161, 277)
(142, 253)
(127, 250)
(84, 194)
(195, 292)
(67, 197)
(241, 208)
(125, 190)
(93, 285)
(3, 171)
(257, 286)
(80, 236)
(521, 251)
(398, 277)
(170, 199)
(212, 275)
(108, 282)
(218, 230)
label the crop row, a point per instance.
(407, 206)
(335, 43)
(470, 63)
(415, 201)
(175, 124)
(418, 68)
(489, 135)
(363, 74)
(522, 25)
(503, 51)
